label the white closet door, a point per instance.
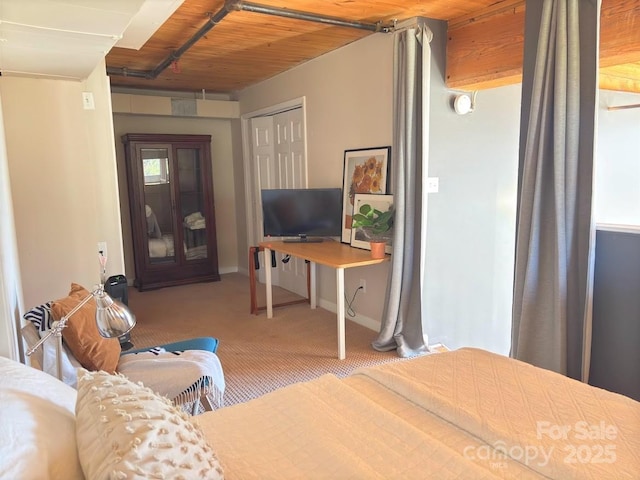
(264, 176)
(290, 150)
(279, 160)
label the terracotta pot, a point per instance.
(377, 249)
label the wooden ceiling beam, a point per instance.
(485, 50)
(619, 32)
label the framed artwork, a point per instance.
(372, 220)
(366, 170)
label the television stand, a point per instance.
(304, 239)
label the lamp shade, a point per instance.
(112, 317)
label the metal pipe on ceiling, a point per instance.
(311, 17)
(176, 54)
(125, 72)
(240, 5)
(213, 21)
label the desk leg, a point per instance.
(267, 278)
(312, 294)
(340, 305)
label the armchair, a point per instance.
(188, 372)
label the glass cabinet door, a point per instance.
(191, 200)
(158, 211)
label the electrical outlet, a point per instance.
(363, 285)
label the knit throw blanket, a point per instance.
(182, 376)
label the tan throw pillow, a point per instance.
(124, 430)
(81, 335)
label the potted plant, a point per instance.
(374, 226)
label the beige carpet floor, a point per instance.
(258, 354)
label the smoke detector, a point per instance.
(464, 103)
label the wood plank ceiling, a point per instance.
(241, 48)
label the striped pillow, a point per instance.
(41, 317)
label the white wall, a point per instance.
(11, 306)
(471, 220)
(240, 203)
(63, 180)
(617, 174)
(471, 224)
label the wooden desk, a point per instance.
(330, 253)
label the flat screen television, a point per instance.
(306, 214)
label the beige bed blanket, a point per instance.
(463, 414)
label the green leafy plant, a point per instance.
(374, 224)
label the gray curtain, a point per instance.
(554, 231)
(401, 327)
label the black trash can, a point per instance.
(117, 288)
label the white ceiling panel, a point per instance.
(47, 52)
(149, 18)
(66, 38)
(21, 61)
(92, 16)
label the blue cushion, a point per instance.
(208, 344)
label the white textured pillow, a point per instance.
(124, 430)
(37, 425)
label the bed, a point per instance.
(462, 414)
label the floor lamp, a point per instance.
(112, 318)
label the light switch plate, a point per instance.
(433, 184)
(87, 101)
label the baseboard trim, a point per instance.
(222, 271)
(235, 269)
(366, 322)
(362, 320)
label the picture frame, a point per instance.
(366, 171)
(361, 236)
